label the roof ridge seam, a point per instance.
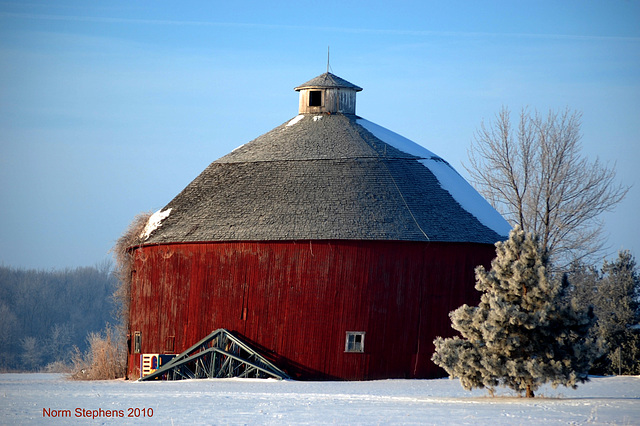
(381, 159)
(377, 158)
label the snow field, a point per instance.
(23, 397)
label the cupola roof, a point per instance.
(328, 81)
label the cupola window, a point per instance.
(315, 98)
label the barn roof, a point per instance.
(329, 177)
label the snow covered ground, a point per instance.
(32, 398)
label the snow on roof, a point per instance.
(295, 120)
(155, 221)
(467, 196)
(396, 140)
(450, 180)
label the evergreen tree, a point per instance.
(614, 293)
(618, 312)
(523, 333)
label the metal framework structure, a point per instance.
(219, 355)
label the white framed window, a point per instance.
(354, 341)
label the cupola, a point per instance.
(327, 93)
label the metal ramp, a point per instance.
(219, 355)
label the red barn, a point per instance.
(333, 245)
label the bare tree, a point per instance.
(43, 314)
(124, 264)
(535, 175)
(31, 353)
(58, 344)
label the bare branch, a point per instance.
(537, 178)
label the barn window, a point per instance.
(137, 342)
(315, 98)
(354, 341)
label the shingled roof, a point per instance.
(327, 177)
(327, 81)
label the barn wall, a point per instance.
(295, 301)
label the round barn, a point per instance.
(334, 246)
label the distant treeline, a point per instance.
(45, 314)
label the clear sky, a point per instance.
(109, 109)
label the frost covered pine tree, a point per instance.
(614, 293)
(524, 332)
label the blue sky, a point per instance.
(109, 109)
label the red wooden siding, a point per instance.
(295, 301)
